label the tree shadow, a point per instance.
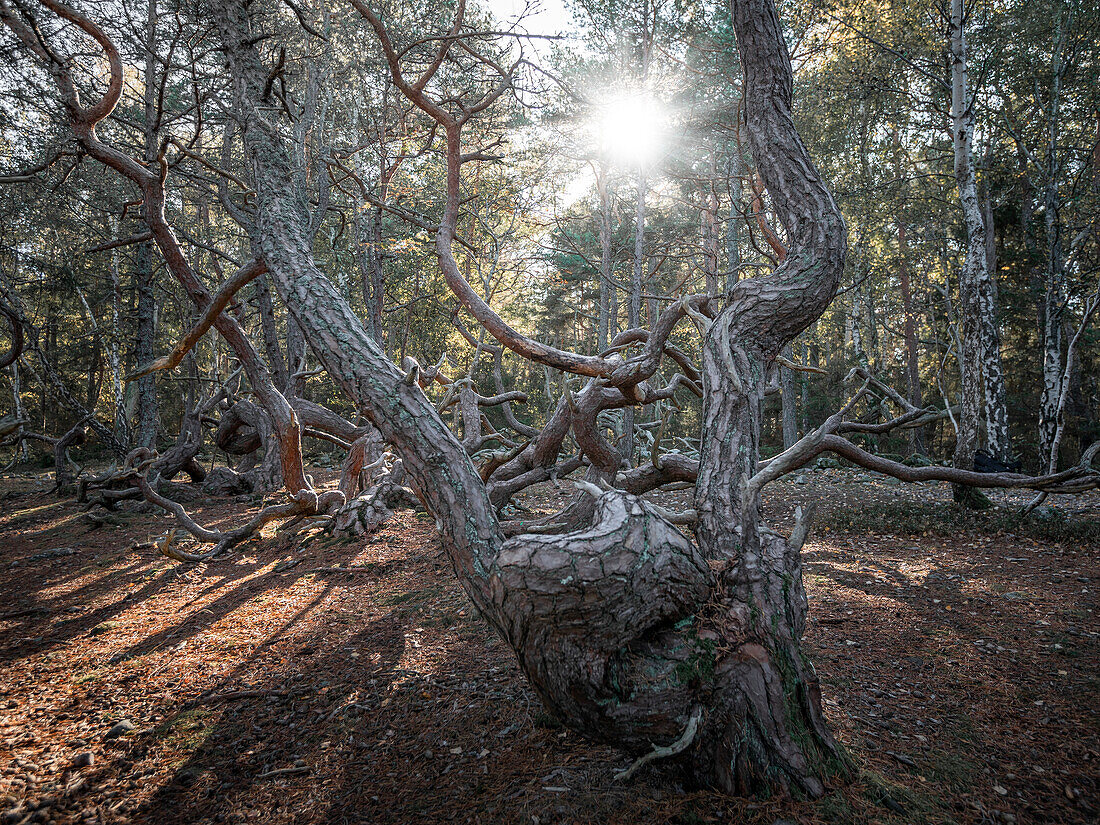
(305, 716)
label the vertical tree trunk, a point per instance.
(708, 220)
(370, 257)
(974, 260)
(1052, 304)
(603, 313)
(118, 393)
(17, 408)
(789, 402)
(809, 356)
(95, 369)
(295, 356)
(146, 391)
(377, 272)
(733, 228)
(912, 354)
(272, 347)
(993, 384)
(634, 314)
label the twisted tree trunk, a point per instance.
(767, 716)
(622, 627)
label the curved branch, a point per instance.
(219, 301)
(17, 341)
(1077, 479)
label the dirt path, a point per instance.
(959, 664)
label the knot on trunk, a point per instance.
(627, 572)
(602, 620)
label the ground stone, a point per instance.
(119, 729)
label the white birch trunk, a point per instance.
(974, 269)
(1054, 286)
(17, 404)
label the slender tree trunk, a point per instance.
(296, 356)
(146, 390)
(118, 393)
(369, 255)
(377, 271)
(733, 228)
(144, 346)
(17, 408)
(912, 354)
(634, 315)
(789, 402)
(92, 388)
(603, 314)
(708, 218)
(1052, 304)
(993, 384)
(1050, 321)
(974, 260)
(272, 347)
(809, 356)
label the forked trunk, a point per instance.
(622, 627)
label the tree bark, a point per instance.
(118, 393)
(788, 402)
(912, 355)
(976, 313)
(771, 719)
(634, 308)
(272, 346)
(733, 228)
(145, 341)
(1052, 304)
(996, 407)
(17, 408)
(604, 327)
(619, 625)
(146, 389)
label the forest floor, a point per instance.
(957, 652)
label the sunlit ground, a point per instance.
(960, 671)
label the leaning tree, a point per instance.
(629, 630)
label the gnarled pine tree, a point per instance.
(622, 627)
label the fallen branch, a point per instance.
(305, 502)
(285, 772)
(1077, 479)
(679, 746)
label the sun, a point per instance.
(630, 129)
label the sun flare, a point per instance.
(630, 129)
